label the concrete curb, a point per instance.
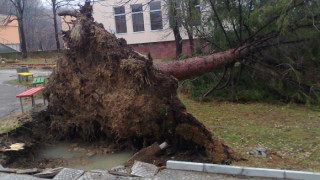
(243, 171)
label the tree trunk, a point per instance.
(189, 24)
(178, 40)
(190, 35)
(198, 66)
(175, 28)
(23, 45)
(54, 10)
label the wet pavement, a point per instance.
(9, 104)
(165, 174)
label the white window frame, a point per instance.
(132, 13)
(123, 14)
(157, 10)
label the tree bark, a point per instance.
(190, 35)
(175, 28)
(178, 40)
(54, 10)
(19, 8)
(23, 45)
(198, 66)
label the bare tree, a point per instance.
(19, 6)
(39, 27)
(4, 7)
(56, 4)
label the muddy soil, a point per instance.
(33, 134)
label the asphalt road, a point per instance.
(8, 102)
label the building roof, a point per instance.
(6, 49)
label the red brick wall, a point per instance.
(162, 50)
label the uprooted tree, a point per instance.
(101, 88)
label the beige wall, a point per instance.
(103, 13)
(9, 32)
(66, 22)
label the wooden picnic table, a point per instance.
(24, 74)
(30, 93)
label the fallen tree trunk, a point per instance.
(198, 66)
(102, 89)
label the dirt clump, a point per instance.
(22, 142)
(102, 89)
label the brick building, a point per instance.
(143, 23)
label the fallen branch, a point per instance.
(216, 86)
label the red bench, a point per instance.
(30, 93)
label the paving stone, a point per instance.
(170, 174)
(68, 173)
(5, 176)
(121, 168)
(99, 171)
(113, 177)
(182, 165)
(143, 169)
(301, 175)
(91, 176)
(104, 176)
(48, 173)
(222, 169)
(262, 172)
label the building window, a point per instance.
(156, 15)
(197, 14)
(120, 19)
(137, 18)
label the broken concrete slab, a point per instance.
(104, 176)
(121, 168)
(142, 169)
(48, 173)
(91, 176)
(169, 174)
(68, 173)
(5, 176)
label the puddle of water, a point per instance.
(80, 160)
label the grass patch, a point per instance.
(291, 133)
(36, 54)
(162, 60)
(12, 122)
(37, 61)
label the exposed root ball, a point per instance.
(101, 88)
